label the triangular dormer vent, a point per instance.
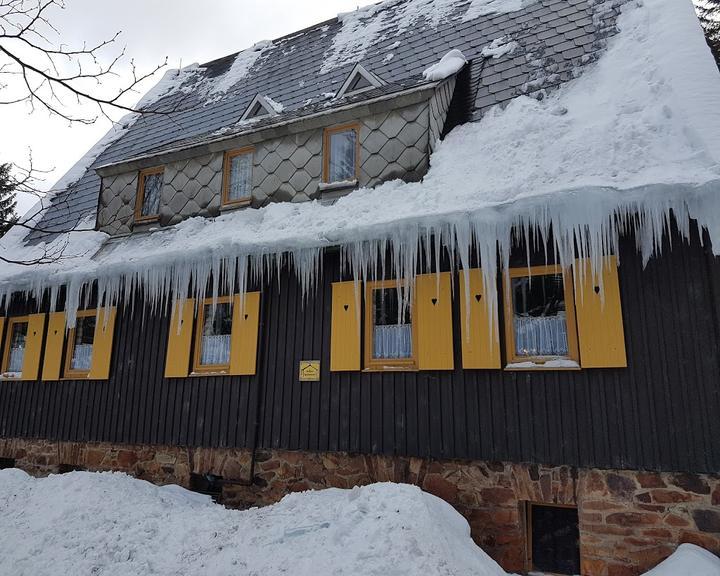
(358, 81)
(259, 107)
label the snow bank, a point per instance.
(688, 560)
(109, 523)
(448, 65)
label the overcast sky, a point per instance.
(185, 31)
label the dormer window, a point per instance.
(358, 81)
(341, 148)
(147, 202)
(259, 107)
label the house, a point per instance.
(469, 245)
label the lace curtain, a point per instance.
(82, 357)
(240, 177)
(392, 341)
(541, 335)
(215, 350)
(17, 354)
(342, 156)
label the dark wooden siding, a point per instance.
(659, 413)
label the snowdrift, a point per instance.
(688, 560)
(110, 523)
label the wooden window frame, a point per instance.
(11, 321)
(68, 372)
(197, 340)
(529, 504)
(387, 364)
(570, 318)
(227, 166)
(327, 133)
(140, 196)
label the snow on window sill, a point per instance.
(10, 375)
(244, 203)
(341, 185)
(555, 364)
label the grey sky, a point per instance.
(185, 31)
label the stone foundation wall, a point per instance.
(629, 520)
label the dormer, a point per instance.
(260, 107)
(359, 81)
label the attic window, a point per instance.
(358, 81)
(260, 106)
(147, 204)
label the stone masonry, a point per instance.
(629, 520)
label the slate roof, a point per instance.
(555, 39)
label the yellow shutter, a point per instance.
(54, 346)
(344, 328)
(2, 333)
(243, 341)
(102, 345)
(480, 346)
(433, 303)
(600, 324)
(33, 347)
(177, 360)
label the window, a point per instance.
(80, 340)
(15, 346)
(359, 80)
(150, 183)
(260, 107)
(553, 539)
(208, 484)
(389, 328)
(212, 341)
(6, 463)
(540, 322)
(341, 150)
(237, 178)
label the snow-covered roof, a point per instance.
(637, 133)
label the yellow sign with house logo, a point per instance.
(309, 370)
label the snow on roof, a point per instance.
(111, 523)
(637, 133)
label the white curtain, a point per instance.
(215, 350)
(15, 362)
(342, 156)
(541, 335)
(151, 194)
(392, 341)
(240, 177)
(82, 357)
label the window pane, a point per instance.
(151, 194)
(342, 156)
(83, 344)
(539, 316)
(392, 325)
(18, 338)
(215, 345)
(240, 177)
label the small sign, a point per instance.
(309, 370)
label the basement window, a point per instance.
(7, 463)
(540, 324)
(208, 484)
(147, 204)
(66, 468)
(213, 338)
(553, 539)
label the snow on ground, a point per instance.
(575, 160)
(688, 560)
(112, 524)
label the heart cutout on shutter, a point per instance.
(246, 316)
(597, 289)
(346, 307)
(477, 297)
(434, 301)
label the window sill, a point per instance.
(235, 205)
(213, 372)
(342, 185)
(392, 368)
(530, 365)
(147, 219)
